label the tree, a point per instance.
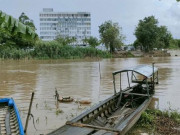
(92, 41)
(111, 36)
(149, 35)
(14, 33)
(13, 26)
(25, 20)
(66, 40)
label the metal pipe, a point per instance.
(100, 70)
(120, 82)
(29, 112)
(153, 75)
(128, 79)
(157, 77)
(114, 84)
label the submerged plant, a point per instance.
(58, 111)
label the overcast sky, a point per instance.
(126, 12)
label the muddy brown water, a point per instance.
(79, 79)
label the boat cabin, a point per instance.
(143, 75)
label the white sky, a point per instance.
(126, 12)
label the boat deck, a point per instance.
(101, 125)
(8, 121)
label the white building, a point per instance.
(65, 24)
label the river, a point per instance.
(79, 79)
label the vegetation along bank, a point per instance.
(154, 121)
(18, 40)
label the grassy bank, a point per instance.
(51, 50)
(158, 122)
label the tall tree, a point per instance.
(149, 35)
(92, 41)
(111, 35)
(25, 20)
(65, 40)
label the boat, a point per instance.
(118, 113)
(10, 121)
(65, 99)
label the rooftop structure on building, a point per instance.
(65, 24)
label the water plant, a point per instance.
(58, 111)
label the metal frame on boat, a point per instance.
(10, 121)
(118, 113)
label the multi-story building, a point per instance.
(65, 24)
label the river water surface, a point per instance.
(79, 79)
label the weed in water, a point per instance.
(37, 106)
(37, 120)
(58, 111)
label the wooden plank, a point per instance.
(94, 108)
(103, 111)
(100, 132)
(71, 130)
(136, 94)
(92, 126)
(7, 124)
(100, 105)
(132, 119)
(0, 129)
(99, 122)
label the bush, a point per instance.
(55, 50)
(50, 50)
(13, 53)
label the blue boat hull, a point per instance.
(10, 121)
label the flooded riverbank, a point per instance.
(79, 79)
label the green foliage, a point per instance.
(4, 36)
(46, 49)
(23, 18)
(14, 33)
(49, 50)
(146, 120)
(58, 111)
(175, 116)
(149, 118)
(174, 44)
(111, 36)
(65, 40)
(54, 50)
(8, 23)
(149, 35)
(92, 41)
(7, 52)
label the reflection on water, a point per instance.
(79, 79)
